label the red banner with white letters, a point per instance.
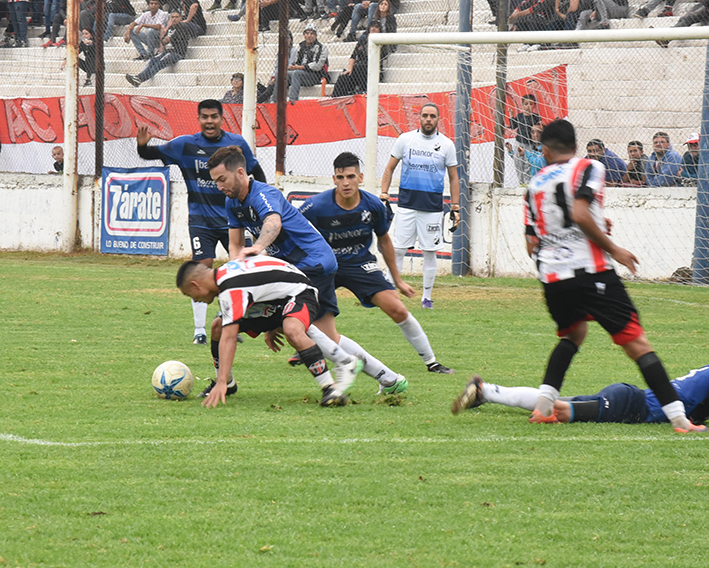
(42, 120)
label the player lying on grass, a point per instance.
(619, 402)
(567, 238)
(282, 232)
(347, 217)
(261, 294)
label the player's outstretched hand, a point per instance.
(274, 340)
(215, 395)
(626, 258)
(143, 136)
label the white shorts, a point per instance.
(426, 225)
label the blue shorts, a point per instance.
(620, 403)
(364, 281)
(204, 242)
(325, 283)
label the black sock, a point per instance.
(314, 360)
(559, 362)
(656, 378)
(584, 410)
(215, 353)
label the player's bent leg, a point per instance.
(558, 364)
(326, 324)
(372, 366)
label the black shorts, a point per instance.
(620, 403)
(325, 283)
(303, 307)
(204, 242)
(364, 281)
(601, 297)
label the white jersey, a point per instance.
(256, 286)
(563, 247)
(424, 163)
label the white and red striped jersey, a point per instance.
(563, 247)
(256, 286)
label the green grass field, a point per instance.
(95, 471)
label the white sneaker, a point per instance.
(346, 373)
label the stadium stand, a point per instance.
(595, 71)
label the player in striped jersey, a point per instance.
(207, 216)
(281, 231)
(347, 218)
(261, 294)
(567, 238)
(619, 402)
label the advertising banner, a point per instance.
(135, 210)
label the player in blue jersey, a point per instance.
(207, 216)
(618, 402)
(426, 157)
(281, 231)
(348, 217)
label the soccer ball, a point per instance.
(173, 380)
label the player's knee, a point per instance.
(398, 312)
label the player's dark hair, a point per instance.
(210, 104)
(636, 143)
(346, 160)
(596, 142)
(559, 136)
(434, 105)
(529, 97)
(231, 156)
(185, 272)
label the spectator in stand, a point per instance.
(690, 160)
(217, 5)
(88, 63)
(118, 13)
(268, 12)
(366, 8)
(533, 15)
(534, 157)
(615, 166)
(58, 155)
(602, 11)
(354, 79)
(663, 165)
(18, 17)
(194, 20)
(87, 14)
(51, 7)
(637, 162)
(57, 22)
(314, 9)
(235, 95)
(387, 23)
(307, 63)
(343, 18)
(699, 14)
(174, 48)
(334, 7)
(146, 30)
(645, 10)
(523, 123)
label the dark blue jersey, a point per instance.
(191, 153)
(693, 390)
(349, 232)
(298, 242)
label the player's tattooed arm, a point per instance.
(269, 232)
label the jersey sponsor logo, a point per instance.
(370, 267)
(200, 165)
(342, 235)
(351, 250)
(433, 227)
(423, 153)
(366, 216)
(206, 183)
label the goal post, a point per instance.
(699, 262)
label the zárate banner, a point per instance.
(135, 210)
(42, 120)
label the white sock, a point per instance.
(518, 397)
(325, 379)
(414, 334)
(372, 366)
(199, 311)
(329, 348)
(429, 273)
(675, 413)
(546, 399)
